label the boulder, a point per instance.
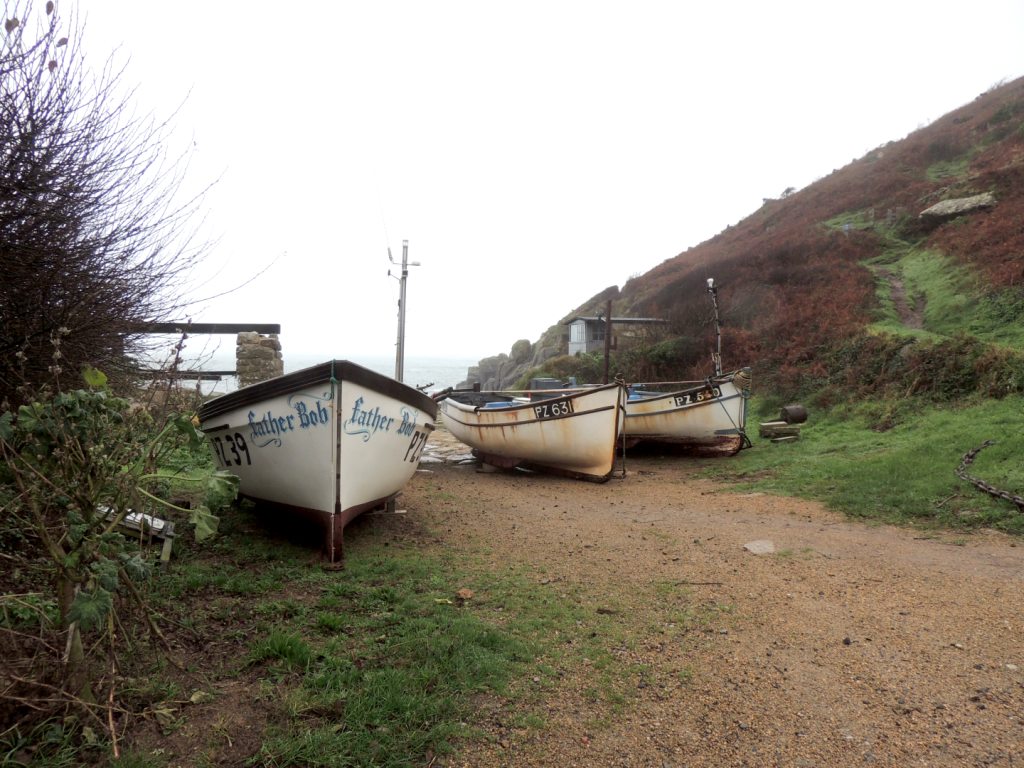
(522, 351)
(949, 209)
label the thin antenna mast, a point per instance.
(716, 356)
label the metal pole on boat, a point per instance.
(400, 351)
(713, 290)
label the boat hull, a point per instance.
(574, 435)
(327, 443)
(709, 420)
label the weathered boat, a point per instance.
(327, 442)
(573, 434)
(708, 419)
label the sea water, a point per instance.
(434, 373)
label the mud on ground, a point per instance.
(850, 644)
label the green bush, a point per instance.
(73, 465)
(1007, 112)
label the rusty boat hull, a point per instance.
(574, 434)
(706, 420)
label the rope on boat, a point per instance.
(334, 381)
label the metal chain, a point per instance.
(968, 459)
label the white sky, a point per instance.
(532, 153)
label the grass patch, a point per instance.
(954, 301)
(903, 475)
(382, 664)
(855, 220)
(948, 169)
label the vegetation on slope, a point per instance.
(808, 277)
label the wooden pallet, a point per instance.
(147, 525)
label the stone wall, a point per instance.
(257, 358)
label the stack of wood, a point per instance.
(787, 428)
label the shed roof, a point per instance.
(617, 320)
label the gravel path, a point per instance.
(850, 644)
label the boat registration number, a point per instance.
(415, 449)
(553, 410)
(698, 397)
(234, 444)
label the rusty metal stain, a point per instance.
(581, 443)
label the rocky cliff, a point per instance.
(502, 371)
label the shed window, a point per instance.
(598, 333)
(577, 332)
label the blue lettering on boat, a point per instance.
(308, 417)
(366, 421)
(269, 429)
(408, 425)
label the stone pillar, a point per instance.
(257, 358)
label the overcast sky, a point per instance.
(532, 153)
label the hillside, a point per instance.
(821, 288)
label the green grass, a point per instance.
(380, 663)
(948, 169)
(954, 301)
(903, 475)
(856, 220)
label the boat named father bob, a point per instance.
(327, 442)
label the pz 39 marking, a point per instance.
(234, 445)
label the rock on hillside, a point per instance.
(502, 371)
(950, 209)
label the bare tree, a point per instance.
(94, 233)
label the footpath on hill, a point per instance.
(849, 644)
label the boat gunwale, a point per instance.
(519, 406)
(688, 407)
(341, 370)
(528, 421)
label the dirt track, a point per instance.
(851, 644)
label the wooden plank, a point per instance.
(779, 429)
(206, 328)
(204, 375)
(165, 553)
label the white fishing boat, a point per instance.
(573, 434)
(708, 419)
(328, 442)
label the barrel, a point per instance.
(794, 414)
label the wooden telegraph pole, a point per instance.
(400, 346)
(607, 338)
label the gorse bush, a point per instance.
(945, 371)
(1008, 111)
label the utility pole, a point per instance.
(400, 346)
(607, 338)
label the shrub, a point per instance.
(73, 465)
